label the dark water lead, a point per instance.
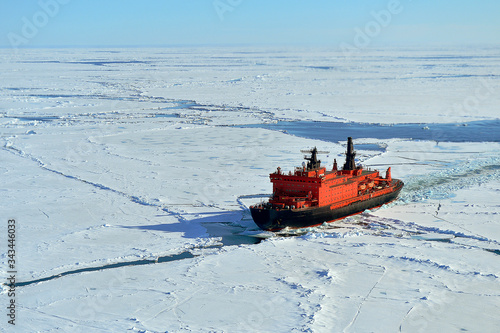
(166, 115)
(495, 251)
(229, 236)
(475, 131)
(35, 118)
(180, 256)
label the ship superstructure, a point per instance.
(311, 195)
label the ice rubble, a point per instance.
(115, 162)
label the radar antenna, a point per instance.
(313, 162)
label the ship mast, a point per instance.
(313, 162)
(349, 156)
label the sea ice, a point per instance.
(108, 161)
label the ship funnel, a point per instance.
(349, 156)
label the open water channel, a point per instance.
(475, 131)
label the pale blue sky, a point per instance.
(30, 23)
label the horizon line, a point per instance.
(224, 45)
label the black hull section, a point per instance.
(273, 220)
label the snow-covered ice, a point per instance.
(111, 159)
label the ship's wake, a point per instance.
(437, 186)
(443, 184)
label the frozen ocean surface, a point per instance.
(130, 172)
